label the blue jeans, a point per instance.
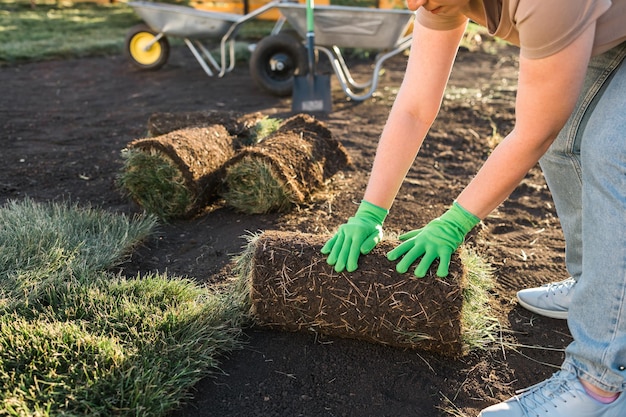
(585, 169)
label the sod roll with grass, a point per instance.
(177, 174)
(285, 168)
(292, 288)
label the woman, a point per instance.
(570, 107)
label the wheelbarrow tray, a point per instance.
(350, 27)
(184, 21)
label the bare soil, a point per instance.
(64, 124)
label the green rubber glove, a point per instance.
(357, 236)
(438, 239)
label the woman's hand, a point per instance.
(438, 239)
(359, 235)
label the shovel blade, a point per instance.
(311, 93)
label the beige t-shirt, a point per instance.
(540, 27)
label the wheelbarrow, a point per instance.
(336, 27)
(147, 47)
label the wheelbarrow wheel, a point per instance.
(143, 51)
(275, 61)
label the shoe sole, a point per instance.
(562, 315)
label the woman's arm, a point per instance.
(547, 92)
(414, 110)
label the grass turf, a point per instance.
(78, 339)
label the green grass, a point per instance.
(78, 339)
(58, 30)
(51, 30)
(479, 326)
(34, 237)
(253, 187)
(153, 181)
(265, 127)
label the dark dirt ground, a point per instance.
(65, 122)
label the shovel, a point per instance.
(311, 92)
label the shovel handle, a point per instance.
(310, 49)
(310, 35)
(310, 27)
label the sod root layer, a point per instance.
(236, 123)
(292, 288)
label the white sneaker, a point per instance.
(560, 396)
(550, 300)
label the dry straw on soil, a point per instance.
(285, 168)
(292, 288)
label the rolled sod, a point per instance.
(285, 168)
(292, 288)
(177, 174)
(237, 124)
